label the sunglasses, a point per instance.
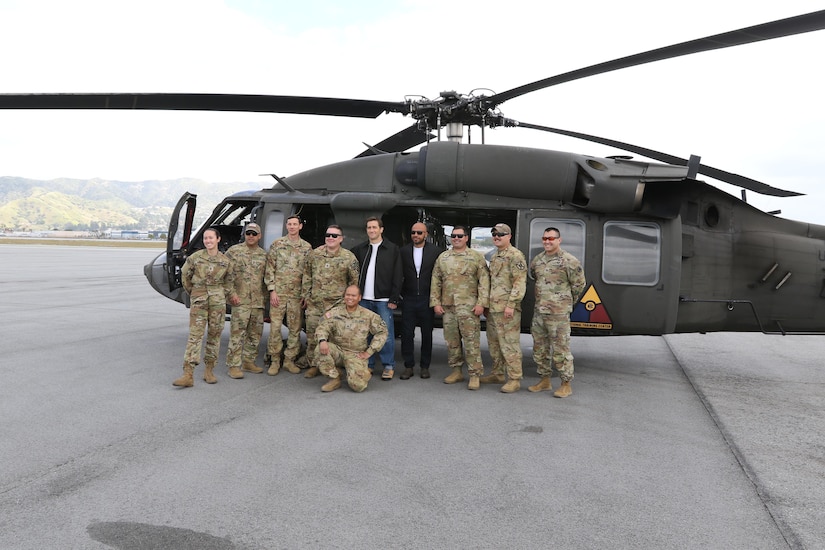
(497, 234)
(417, 232)
(251, 233)
(332, 235)
(549, 239)
(457, 236)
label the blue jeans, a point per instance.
(387, 353)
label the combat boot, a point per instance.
(473, 383)
(511, 386)
(185, 381)
(208, 375)
(492, 378)
(311, 372)
(334, 383)
(235, 372)
(454, 376)
(543, 385)
(565, 390)
(274, 368)
(407, 374)
(253, 368)
(291, 367)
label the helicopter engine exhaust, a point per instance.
(597, 185)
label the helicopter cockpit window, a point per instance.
(632, 253)
(229, 219)
(572, 236)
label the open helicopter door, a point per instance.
(164, 272)
(177, 240)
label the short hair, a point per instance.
(295, 217)
(333, 226)
(466, 231)
(553, 229)
(374, 219)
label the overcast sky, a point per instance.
(756, 110)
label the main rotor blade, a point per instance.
(205, 102)
(403, 140)
(721, 175)
(767, 31)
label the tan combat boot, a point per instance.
(235, 372)
(208, 375)
(473, 383)
(311, 372)
(333, 384)
(274, 368)
(291, 367)
(252, 367)
(543, 385)
(454, 376)
(565, 390)
(492, 378)
(186, 380)
(511, 386)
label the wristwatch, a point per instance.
(322, 340)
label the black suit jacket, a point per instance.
(416, 285)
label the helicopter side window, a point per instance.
(572, 236)
(632, 253)
(273, 227)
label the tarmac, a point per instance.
(683, 441)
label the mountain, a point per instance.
(27, 204)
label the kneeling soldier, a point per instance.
(343, 343)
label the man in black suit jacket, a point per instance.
(417, 261)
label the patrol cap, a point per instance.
(253, 227)
(502, 228)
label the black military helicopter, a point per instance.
(663, 252)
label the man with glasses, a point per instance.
(508, 283)
(380, 284)
(459, 292)
(559, 285)
(328, 271)
(284, 278)
(417, 261)
(247, 324)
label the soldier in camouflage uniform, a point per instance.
(344, 342)
(284, 276)
(508, 283)
(459, 292)
(207, 277)
(247, 325)
(559, 285)
(328, 271)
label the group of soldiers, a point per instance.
(348, 299)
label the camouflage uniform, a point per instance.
(247, 324)
(347, 334)
(559, 284)
(284, 274)
(460, 282)
(326, 276)
(508, 283)
(210, 282)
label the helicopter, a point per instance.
(663, 252)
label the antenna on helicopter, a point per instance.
(280, 180)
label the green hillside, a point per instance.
(71, 204)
